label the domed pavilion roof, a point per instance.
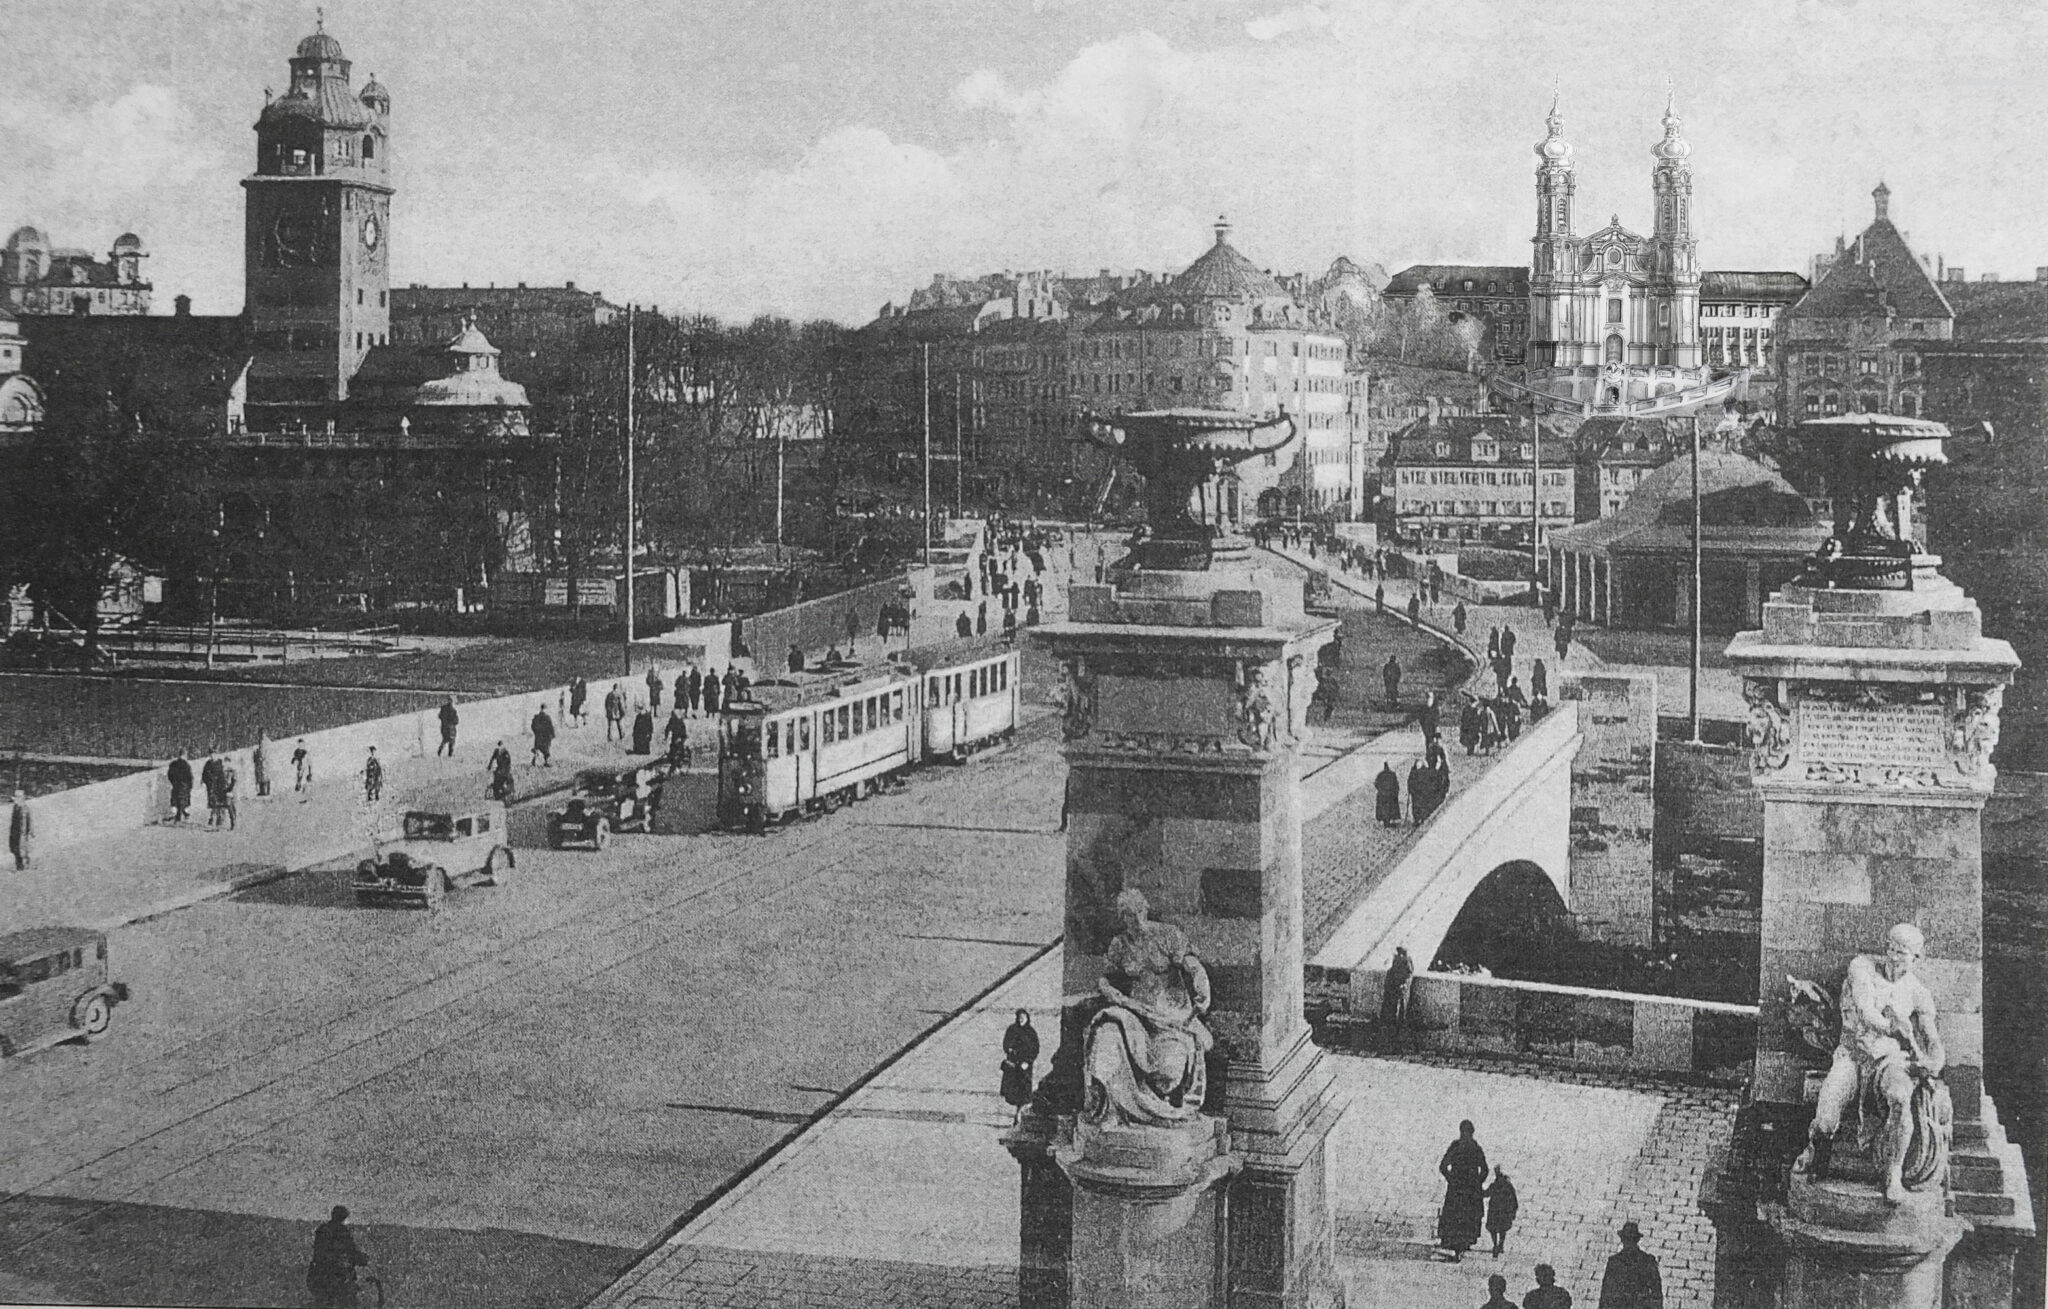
(1734, 492)
(320, 46)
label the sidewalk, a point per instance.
(137, 874)
(904, 1195)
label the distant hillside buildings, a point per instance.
(39, 278)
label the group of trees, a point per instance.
(1417, 331)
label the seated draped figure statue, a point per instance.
(1144, 1055)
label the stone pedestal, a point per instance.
(1186, 696)
(1147, 1214)
(1873, 713)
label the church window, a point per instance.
(1614, 311)
(369, 148)
(1614, 256)
(359, 295)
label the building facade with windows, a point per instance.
(1852, 344)
(1224, 334)
(1497, 294)
(1472, 479)
(37, 278)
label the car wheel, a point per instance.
(95, 1016)
(601, 835)
(499, 866)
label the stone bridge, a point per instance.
(1506, 838)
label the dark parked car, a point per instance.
(607, 800)
(54, 988)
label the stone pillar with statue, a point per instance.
(1868, 1167)
(1174, 1154)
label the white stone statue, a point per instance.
(1887, 1061)
(1144, 1061)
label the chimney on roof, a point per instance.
(571, 286)
(2041, 272)
(1434, 407)
(1883, 196)
(1956, 274)
(181, 305)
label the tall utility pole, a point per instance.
(1535, 500)
(927, 454)
(1694, 697)
(781, 448)
(959, 473)
(630, 366)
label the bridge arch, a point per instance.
(1512, 924)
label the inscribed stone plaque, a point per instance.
(1893, 736)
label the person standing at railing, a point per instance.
(21, 830)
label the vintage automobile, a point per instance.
(607, 800)
(436, 851)
(54, 988)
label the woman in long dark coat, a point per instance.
(1020, 1051)
(1464, 1170)
(1387, 796)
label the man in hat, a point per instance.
(1632, 1280)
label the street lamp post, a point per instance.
(627, 650)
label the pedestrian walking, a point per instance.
(1415, 608)
(543, 728)
(302, 771)
(963, 626)
(1503, 673)
(579, 699)
(1418, 791)
(643, 730)
(1458, 618)
(678, 734)
(259, 763)
(1379, 598)
(1324, 696)
(1020, 1052)
(21, 831)
(1386, 806)
(1538, 707)
(180, 775)
(373, 777)
(852, 630)
(1497, 1293)
(1436, 592)
(1390, 675)
(228, 782)
(1427, 719)
(1632, 1280)
(1470, 725)
(331, 1276)
(711, 693)
(1501, 1205)
(1464, 1170)
(796, 658)
(1507, 642)
(981, 618)
(209, 780)
(1539, 681)
(1547, 1294)
(1439, 766)
(1564, 640)
(500, 769)
(654, 691)
(696, 689)
(1394, 999)
(449, 720)
(614, 713)
(1492, 645)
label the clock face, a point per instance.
(301, 235)
(373, 232)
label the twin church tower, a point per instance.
(316, 248)
(1614, 316)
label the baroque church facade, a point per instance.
(1614, 316)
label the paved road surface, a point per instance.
(517, 1094)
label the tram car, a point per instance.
(813, 741)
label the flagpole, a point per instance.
(630, 364)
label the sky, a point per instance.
(820, 159)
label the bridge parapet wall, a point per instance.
(1613, 822)
(1458, 1013)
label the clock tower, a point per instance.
(316, 248)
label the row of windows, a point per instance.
(1735, 311)
(1868, 364)
(1117, 347)
(1474, 477)
(1831, 403)
(1480, 508)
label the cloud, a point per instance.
(1301, 18)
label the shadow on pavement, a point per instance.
(154, 1255)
